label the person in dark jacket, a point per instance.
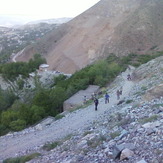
(96, 103)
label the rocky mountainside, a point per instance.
(127, 130)
(120, 27)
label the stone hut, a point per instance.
(77, 99)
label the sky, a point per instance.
(44, 9)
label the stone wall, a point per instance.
(78, 98)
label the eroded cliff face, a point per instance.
(120, 27)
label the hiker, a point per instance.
(106, 98)
(118, 94)
(128, 77)
(96, 103)
(93, 96)
(120, 91)
(84, 100)
(129, 68)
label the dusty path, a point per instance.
(10, 146)
(16, 55)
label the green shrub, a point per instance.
(17, 125)
(115, 134)
(59, 116)
(12, 70)
(59, 78)
(3, 130)
(51, 146)
(129, 101)
(22, 159)
(9, 116)
(87, 132)
(144, 88)
(149, 119)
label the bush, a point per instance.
(129, 101)
(59, 78)
(7, 98)
(22, 159)
(148, 119)
(115, 134)
(8, 116)
(17, 125)
(51, 146)
(59, 116)
(10, 71)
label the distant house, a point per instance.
(77, 99)
(43, 67)
(32, 74)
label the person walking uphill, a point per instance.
(96, 103)
(118, 94)
(107, 98)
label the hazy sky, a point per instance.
(45, 8)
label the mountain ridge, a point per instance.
(119, 27)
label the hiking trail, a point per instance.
(79, 119)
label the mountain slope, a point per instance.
(120, 27)
(91, 136)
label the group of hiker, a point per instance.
(106, 96)
(106, 100)
(128, 77)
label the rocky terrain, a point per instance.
(126, 130)
(120, 27)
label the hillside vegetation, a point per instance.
(17, 112)
(126, 130)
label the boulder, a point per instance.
(126, 154)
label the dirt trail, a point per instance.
(16, 55)
(10, 146)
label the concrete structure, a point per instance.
(43, 67)
(77, 99)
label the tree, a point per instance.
(42, 99)
(37, 113)
(8, 116)
(58, 96)
(17, 125)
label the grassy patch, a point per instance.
(139, 93)
(124, 121)
(87, 132)
(143, 88)
(129, 101)
(75, 108)
(93, 143)
(89, 102)
(157, 105)
(51, 146)
(68, 137)
(22, 159)
(59, 116)
(149, 119)
(114, 134)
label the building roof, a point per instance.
(44, 66)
